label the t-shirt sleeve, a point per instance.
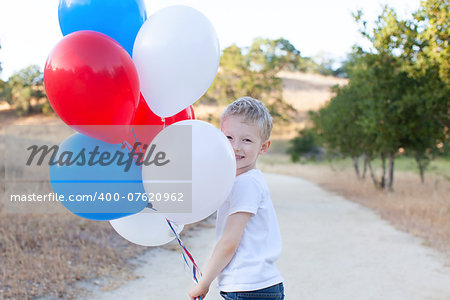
(246, 197)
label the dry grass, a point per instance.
(45, 255)
(306, 91)
(420, 209)
(4, 105)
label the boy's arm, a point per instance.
(223, 252)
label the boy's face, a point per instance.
(246, 141)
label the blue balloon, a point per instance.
(118, 19)
(97, 180)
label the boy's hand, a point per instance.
(198, 291)
(222, 254)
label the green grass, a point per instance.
(277, 155)
(439, 166)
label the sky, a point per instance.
(29, 29)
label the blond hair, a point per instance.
(252, 111)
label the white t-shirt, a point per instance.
(252, 267)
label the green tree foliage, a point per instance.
(25, 91)
(429, 63)
(2, 83)
(1, 69)
(433, 37)
(4, 90)
(305, 144)
(253, 72)
(397, 96)
(274, 55)
(341, 124)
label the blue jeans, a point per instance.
(274, 292)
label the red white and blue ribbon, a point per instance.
(187, 256)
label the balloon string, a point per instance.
(130, 149)
(126, 144)
(195, 268)
(185, 252)
(134, 135)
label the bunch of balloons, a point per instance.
(114, 73)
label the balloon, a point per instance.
(177, 55)
(91, 80)
(146, 125)
(119, 19)
(186, 114)
(109, 190)
(146, 228)
(145, 116)
(200, 171)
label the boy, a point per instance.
(247, 231)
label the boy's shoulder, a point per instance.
(250, 174)
(249, 192)
(251, 177)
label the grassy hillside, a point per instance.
(304, 91)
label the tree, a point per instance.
(340, 124)
(252, 72)
(397, 96)
(274, 55)
(1, 68)
(4, 90)
(409, 97)
(305, 144)
(2, 84)
(433, 37)
(422, 44)
(429, 64)
(24, 88)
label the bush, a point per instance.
(305, 145)
(25, 91)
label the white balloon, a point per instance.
(177, 54)
(208, 171)
(146, 228)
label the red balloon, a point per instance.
(144, 115)
(185, 114)
(91, 80)
(146, 125)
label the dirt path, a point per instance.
(332, 249)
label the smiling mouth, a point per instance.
(239, 156)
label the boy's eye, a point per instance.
(247, 140)
(229, 137)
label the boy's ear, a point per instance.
(264, 147)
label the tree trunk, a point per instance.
(366, 162)
(421, 168)
(356, 166)
(391, 171)
(422, 176)
(330, 163)
(372, 175)
(383, 174)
